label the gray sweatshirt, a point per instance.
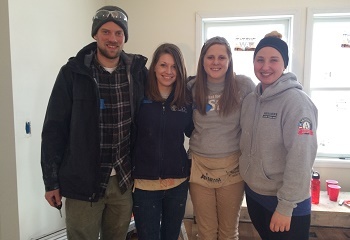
(216, 136)
(279, 142)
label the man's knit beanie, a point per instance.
(107, 14)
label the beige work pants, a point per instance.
(217, 210)
(109, 217)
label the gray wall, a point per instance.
(9, 225)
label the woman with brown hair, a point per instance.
(160, 163)
(216, 186)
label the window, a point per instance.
(328, 79)
(243, 33)
(324, 73)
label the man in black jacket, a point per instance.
(88, 131)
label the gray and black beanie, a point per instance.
(98, 22)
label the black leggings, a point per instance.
(261, 217)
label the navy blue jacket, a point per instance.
(159, 149)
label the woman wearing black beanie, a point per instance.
(278, 145)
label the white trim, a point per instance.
(308, 53)
(340, 11)
(199, 38)
(331, 163)
(296, 25)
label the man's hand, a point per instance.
(279, 222)
(54, 197)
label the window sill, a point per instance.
(332, 162)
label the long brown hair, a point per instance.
(229, 100)
(181, 93)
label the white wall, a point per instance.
(36, 40)
(44, 34)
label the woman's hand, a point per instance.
(279, 222)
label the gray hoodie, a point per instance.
(278, 142)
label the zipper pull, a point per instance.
(92, 198)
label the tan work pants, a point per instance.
(217, 210)
(109, 217)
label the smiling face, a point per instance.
(268, 66)
(165, 71)
(215, 63)
(110, 40)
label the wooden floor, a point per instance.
(248, 232)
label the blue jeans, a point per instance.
(158, 214)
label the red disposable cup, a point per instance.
(334, 192)
(333, 182)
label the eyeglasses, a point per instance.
(104, 14)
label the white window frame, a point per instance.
(311, 12)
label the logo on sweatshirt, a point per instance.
(305, 126)
(270, 115)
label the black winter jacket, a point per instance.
(70, 148)
(159, 150)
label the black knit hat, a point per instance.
(120, 18)
(276, 43)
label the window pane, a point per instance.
(330, 83)
(330, 56)
(244, 34)
(333, 122)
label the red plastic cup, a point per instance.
(334, 192)
(333, 182)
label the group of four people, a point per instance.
(113, 140)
